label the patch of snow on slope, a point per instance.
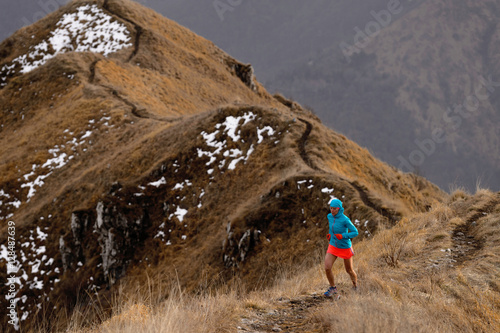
(231, 128)
(89, 29)
(30, 269)
(268, 129)
(158, 183)
(180, 213)
(59, 160)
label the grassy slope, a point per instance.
(455, 290)
(427, 289)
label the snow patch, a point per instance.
(158, 183)
(31, 258)
(230, 127)
(268, 129)
(180, 213)
(89, 29)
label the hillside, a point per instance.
(131, 147)
(441, 265)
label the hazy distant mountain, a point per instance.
(445, 56)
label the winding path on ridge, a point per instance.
(369, 203)
(302, 145)
(302, 142)
(465, 245)
(140, 113)
(138, 29)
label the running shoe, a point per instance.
(332, 291)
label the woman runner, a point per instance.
(341, 231)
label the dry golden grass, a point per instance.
(417, 296)
(175, 72)
(334, 152)
(412, 296)
(146, 309)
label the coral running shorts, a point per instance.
(341, 253)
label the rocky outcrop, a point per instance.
(116, 231)
(244, 72)
(118, 234)
(71, 248)
(79, 223)
(66, 254)
(236, 246)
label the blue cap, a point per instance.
(336, 203)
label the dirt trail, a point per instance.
(362, 190)
(139, 113)
(302, 145)
(465, 245)
(287, 315)
(138, 29)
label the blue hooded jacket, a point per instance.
(340, 224)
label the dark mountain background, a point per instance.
(397, 96)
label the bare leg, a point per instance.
(348, 263)
(329, 260)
